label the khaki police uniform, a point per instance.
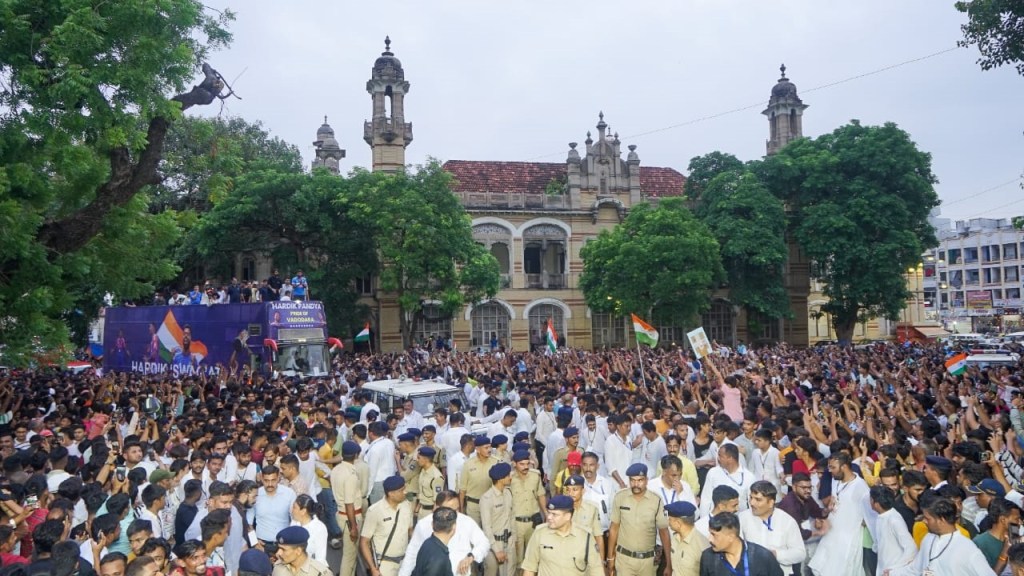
(363, 471)
(525, 505)
(440, 456)
(475, 481)
(639, 521)
(431, 483)
(310, 568)
(411, 474)
(503, 456)
(346, 489)
(552, 554)
(559, 460)
(496, 521)
(586, 516)
(380, 518)
(686, 553)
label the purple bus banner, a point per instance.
(292, 315)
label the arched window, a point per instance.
(432, 323)
(538, 321)
(490, 323)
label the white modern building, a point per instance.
(973, 278)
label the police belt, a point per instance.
(357, 512)
(472, 500)
(426, 507)
(503, 537)
(524, 518)
(637, 555)
(390, 559)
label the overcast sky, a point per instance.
(520, 80)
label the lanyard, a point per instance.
(733, 571)
(594, 486)
(664, 497)
(932, 547)
(767, 523)
(729, 476)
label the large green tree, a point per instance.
(750, 226)
(87, 93)
(423, 240)
(860, 198)
(658, 258)
(293, 218)
(996, 27)
(703, 169)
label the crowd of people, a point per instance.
(769, 461)
(272, 288)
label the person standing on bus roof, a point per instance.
(299, 287)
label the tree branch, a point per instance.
(126, 178)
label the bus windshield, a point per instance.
(306, 359)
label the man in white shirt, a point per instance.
(380, 459)
(765, 462)
(546, 424)
(593, 435)
(414, 418)
(652, 449)
(505, 426)
(469, 544)
(730, 473)
(598, 489)
(944, 551)
(524, 419)
(896, 547)
(669, 486)
(457, 459)
(618, 454)
(452, 439)
(773, 529)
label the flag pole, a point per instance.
(639, 354)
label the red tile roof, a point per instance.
(533, 177)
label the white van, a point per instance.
(966, 338)
(987, 360)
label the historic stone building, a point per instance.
(535, 217)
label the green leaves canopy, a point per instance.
(861, 198)
(87, 91)
(750, 226)
(996, 27)
(658, 257)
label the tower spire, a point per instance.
(785, 114)
(387, 132)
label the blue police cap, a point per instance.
(498, 440)
(293, 536)
(482, 441)
(427, 452)
(560, 503)
(570, 432)
(574, 481)
(406, 437)
(499, 471)
(681, 509)
(349, 448)
(393, 483)
(520, 455)
(636, 470)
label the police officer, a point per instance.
(499, 448)
(637, 521)
(561, 456)
(348, 494)
(584, 513)
(474, 481)
(386, 529)
(410, 470)
(431, 483)
(291, 554)
(687, 543)
(560, 547)
(496, 522)
(528, 499)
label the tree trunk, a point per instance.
(127, 175)
(844, 326)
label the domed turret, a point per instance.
(785, 114)
(783, 89)
(387, 67)
(328, 151)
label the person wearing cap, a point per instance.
(559, 460)
(430, 440)
(687, 543)
(637, 524)
(730, 555)
(729, 472)
(254, 562)
(496, 520)
(773, 529)
(348, 495)
(528, 500)
(937, 470)
(410, 469)
(430, 482)
(499, 448)
(840, 552)
(984, 492)
(584, 513)
(291, 553)
(560, 547)
(474, 479)
(380, 459)
(386, 529)
(573, 467)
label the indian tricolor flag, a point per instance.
(552, 337)
(171, 338)
(957, 364)
(364, 335)
(645, 333)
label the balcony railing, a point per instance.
(520, 200)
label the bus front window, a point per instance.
(309, 359)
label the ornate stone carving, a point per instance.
(544, 231)
(491, 230)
